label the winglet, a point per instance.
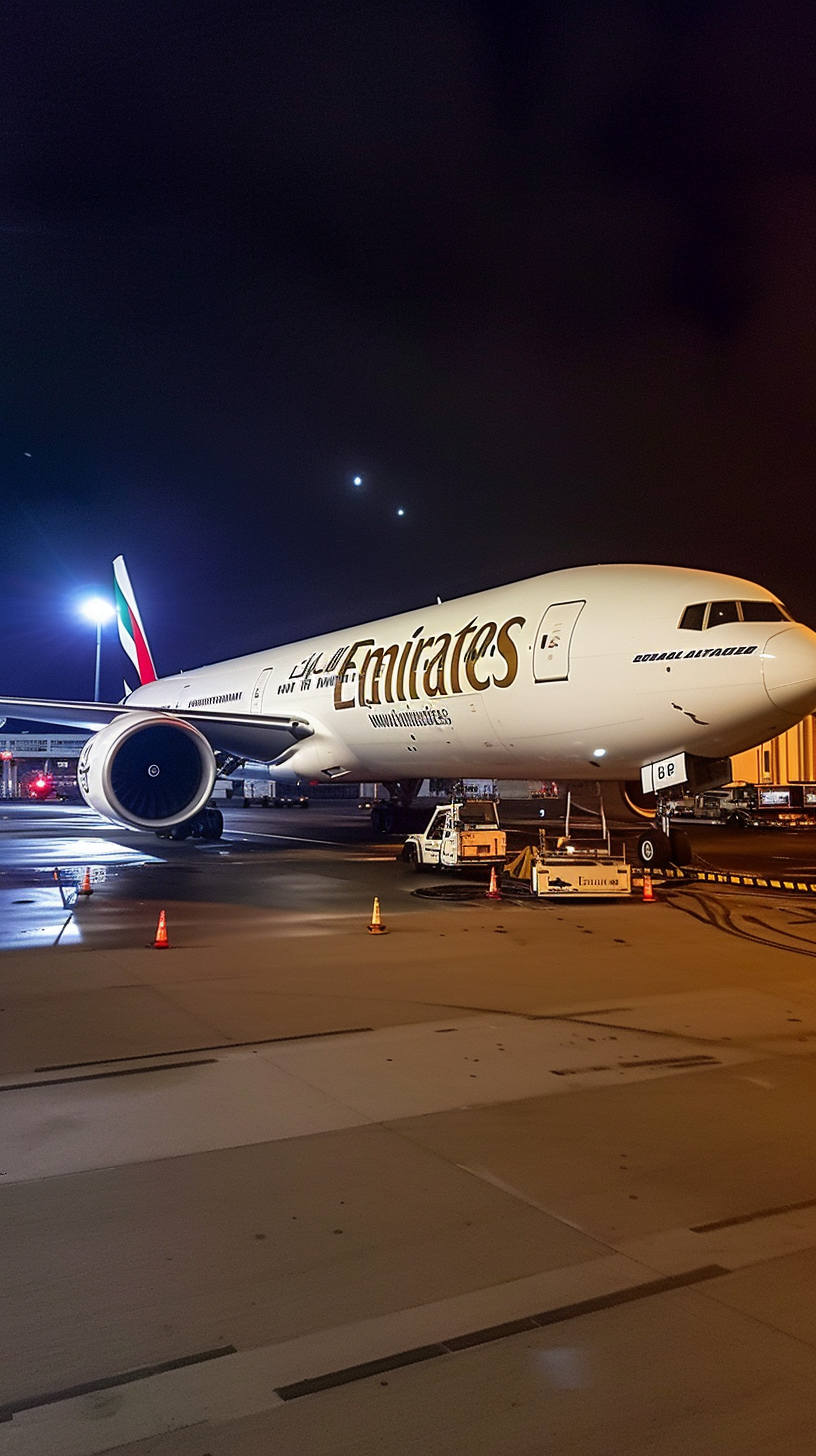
(131, 632)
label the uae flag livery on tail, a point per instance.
(131, 632)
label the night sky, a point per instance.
(543, 275)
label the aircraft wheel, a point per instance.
(654, 849)
(681, 851)
(213, 826)
(180, 831)
(382, 820)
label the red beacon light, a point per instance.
(40, 786)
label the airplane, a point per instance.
(609, 672)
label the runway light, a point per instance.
(400, 512)
(97, 610)
(599, 753)
(358, 480)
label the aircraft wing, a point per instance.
(240, 733)
(67, 715)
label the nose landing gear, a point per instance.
(662, 845)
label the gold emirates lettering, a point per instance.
(384, 674)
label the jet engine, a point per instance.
(147, 770)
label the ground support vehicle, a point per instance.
(459, 836)
(579, 863)
(750, 806)
(573, 873)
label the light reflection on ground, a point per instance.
(65, 850)
(35, 916)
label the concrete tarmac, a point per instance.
(508, 1179)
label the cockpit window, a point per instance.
(716, 614)
(721, 612)
(763, 612)
(692, 617)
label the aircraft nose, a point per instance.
(789, 669)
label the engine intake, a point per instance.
(147, 771)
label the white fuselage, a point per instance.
(576, 674)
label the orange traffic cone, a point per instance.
(648, 888)
(493, 892)
(161, 942)
(376, 927)
(85, 887)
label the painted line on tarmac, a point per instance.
(224, 1384)
(221, 1046)
(725, 877)
(491, 1333)
(221, 1385)
(109, 1382)
(294, 838)
(101, 1076)
(740, 1218)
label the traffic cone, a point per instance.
(648, 888)
(376, 927)
(85, 887)
(161, 942)
(493, 892)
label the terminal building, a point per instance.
(788, 759)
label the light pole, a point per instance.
(99, 611)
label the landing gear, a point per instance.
(389, 815)
(213, 826)
(208, 824)
(654, 849)
(383, 820)
(662, 844)
(681, 851)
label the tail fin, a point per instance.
(131, 632)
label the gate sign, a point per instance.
(655, 777)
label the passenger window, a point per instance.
(435, 827)
(692, 618)
(719, 613)
(762, 612)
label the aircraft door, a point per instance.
(256, 704)
(551, 653)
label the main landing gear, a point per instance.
(392, 815)
(208, 824)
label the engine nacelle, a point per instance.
(147, 771)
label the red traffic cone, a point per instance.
(161, 942)
(376, 927)
(493, 892)
(85, 887)
(648, 888)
